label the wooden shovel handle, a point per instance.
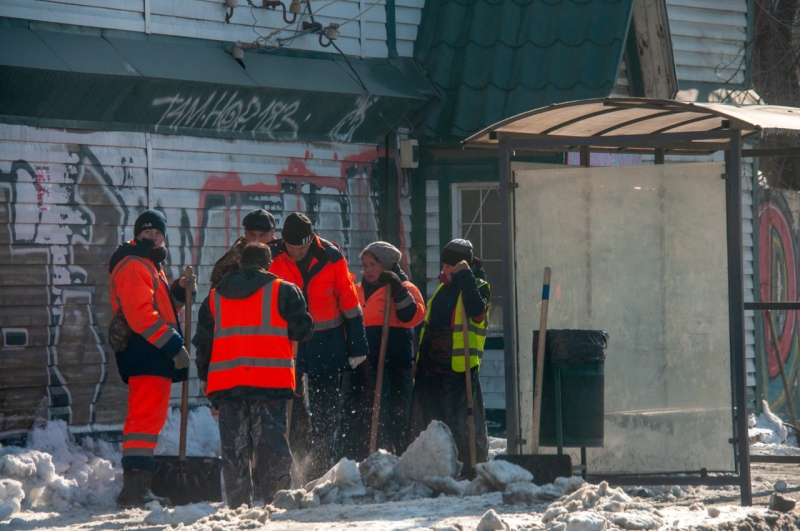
(537, 396)
(473, 458)
(185, 386)
(376, 402)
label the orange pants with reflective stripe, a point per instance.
(148, 405)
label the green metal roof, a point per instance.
(492, 59)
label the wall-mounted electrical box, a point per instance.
(409, 154)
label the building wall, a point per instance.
(363, 29)
(708, 40)
(69, 198)
(779, 272)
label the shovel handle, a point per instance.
(537, 396)
(473, 457)
(185, 386)
(376, 402)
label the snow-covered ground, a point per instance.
(55, 483)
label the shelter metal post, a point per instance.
(509, 301)
(736, 313)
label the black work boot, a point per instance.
(135, 487)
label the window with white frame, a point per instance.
(476, 217)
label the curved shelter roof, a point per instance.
(623, 124)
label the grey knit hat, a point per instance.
(456, 251)
(386, 253)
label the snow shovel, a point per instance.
(185, 479)
(545, 468)
(376, 403)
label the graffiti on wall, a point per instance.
(227, 111)
(51, 230)
(778, 252)
(63, 222)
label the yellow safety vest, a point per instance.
(476, 333)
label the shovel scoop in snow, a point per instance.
(184, 479)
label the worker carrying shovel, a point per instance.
(149, 346)
(245, 363)
(440, 388)
(383, 278)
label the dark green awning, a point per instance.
(100, 79)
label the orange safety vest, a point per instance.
(251, 342)
(373, 308)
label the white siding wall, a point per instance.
(69, 198)
(708, 39)
(622, 87)
(363, 30)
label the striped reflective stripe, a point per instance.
(352, 312)
(251, 362)
(165, 338)
(408, 300)
(327, 325)
(143, 437)
(266, 312)
(137, 452)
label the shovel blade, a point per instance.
(545, 468)
(193, 480)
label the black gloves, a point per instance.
(394, 282)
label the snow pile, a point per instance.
(55, 472)
(429, 468)
(599, 507)
(202, 434)
(767, 427)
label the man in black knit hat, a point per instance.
(339, 344)
(259, 226)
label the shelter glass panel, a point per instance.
(641, 254)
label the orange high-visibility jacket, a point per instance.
(141, 291)
(373, 308)
(330, 293)
(251, 345)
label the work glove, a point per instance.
(181, 359)
(461, 266)
(203, 387)
(189, 283)
(392, 280)
(355, 362)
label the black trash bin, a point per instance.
(574, 365)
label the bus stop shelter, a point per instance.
(654, 255)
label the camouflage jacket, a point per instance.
(229, 262)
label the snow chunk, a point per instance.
(185, 514)
(586, 521)
(635, 521)
(767, 427)
(288, 499)
(524, 492)
(448, 485)
(502, 473)
(433, 453)
(11, 496)
(478, 487)
(491, 522)
(378, 468)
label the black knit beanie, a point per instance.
(259, 219)
(150, 219)
(297, 229)
(456, 251)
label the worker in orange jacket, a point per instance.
(383, 277)
(154, 356)
(245, 363)
(339, 345)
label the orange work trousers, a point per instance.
(148, 405)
